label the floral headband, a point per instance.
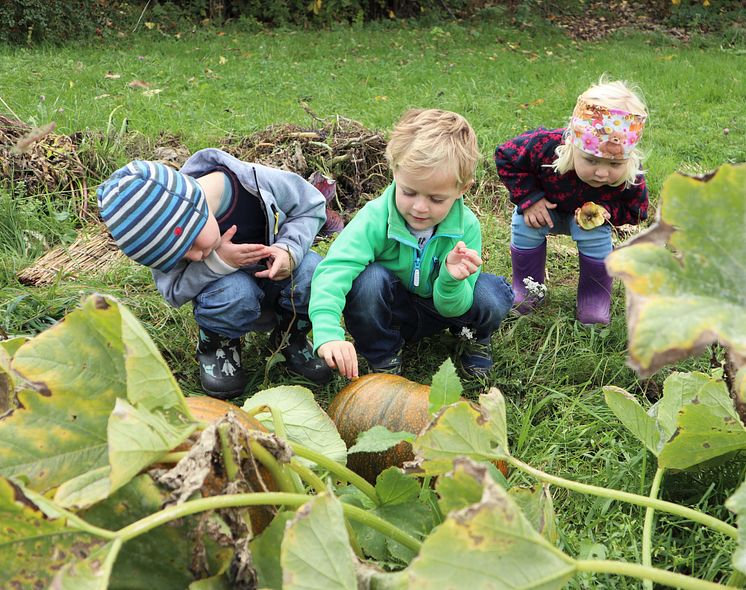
(604, 132)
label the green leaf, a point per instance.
(305, 422)
(630, 413)
(694, 421)
(459, 430)
(316, 552)
(492, 405)
(138, 437)
(91, 573)
(490, 544)
(537, 506)
(160, 558)
(36, 541)
(446, 388)
(78, 369)
(393, 486)
(737, 504)
(412, 517)
(379, 439)
(265, 552)
(150, 383)
(685, 276)
(462, 486)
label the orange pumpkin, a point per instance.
(209, 409)
(379, 399)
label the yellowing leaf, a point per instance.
(685, 276)
(222, 60)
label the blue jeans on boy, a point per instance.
(232, 305)
(594, 243)
(381, 314)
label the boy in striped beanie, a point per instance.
(233, 238)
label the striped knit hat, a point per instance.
(153, 212)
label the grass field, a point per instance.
(212, 84)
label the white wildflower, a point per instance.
(467, 333)
(535, 289)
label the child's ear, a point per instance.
(466, 187)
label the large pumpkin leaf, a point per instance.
(305, 422)
(489, 544)
(685, 276)
(462, 486)
(91, 573)
(492, 405)
(459, 430)
(537, 506)
(693, 422)
(160, 558)
(265, 552)
(737, 504)
(316, 552)
(35, 542)
(78, 369)
(446, 388)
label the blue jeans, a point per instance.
(233, 305)
(594, 243)
(381, 314)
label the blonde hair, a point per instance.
(425, 139)
(617, 94)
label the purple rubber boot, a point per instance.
(594, 292)
(528, 264)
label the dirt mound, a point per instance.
(39, 161)
(340, 148)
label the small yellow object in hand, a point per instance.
(590, 215)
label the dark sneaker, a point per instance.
(299, 357)
(392, 366)
(475, 360)
(220, 370)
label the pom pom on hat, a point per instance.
(153, 212)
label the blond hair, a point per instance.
(425, 139)
(617, 94)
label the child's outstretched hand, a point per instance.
(462, 262)
(341, 355)
(537, 215)
(280, 265)
(239, 255)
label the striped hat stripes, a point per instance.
(153, 212)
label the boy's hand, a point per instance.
(537, 215)
(239, 255)
(280, 265)
(341, 355)
(462, 262)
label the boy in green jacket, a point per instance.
(408, 264)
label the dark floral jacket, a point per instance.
(524, 166)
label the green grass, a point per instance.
(504, 81)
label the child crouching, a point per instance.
(233, 238)
(551, 174)
(408, 264)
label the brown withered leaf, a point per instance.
(23, 145)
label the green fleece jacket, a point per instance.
(379, 234)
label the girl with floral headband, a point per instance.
(551, 174)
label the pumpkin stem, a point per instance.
(336, 469)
